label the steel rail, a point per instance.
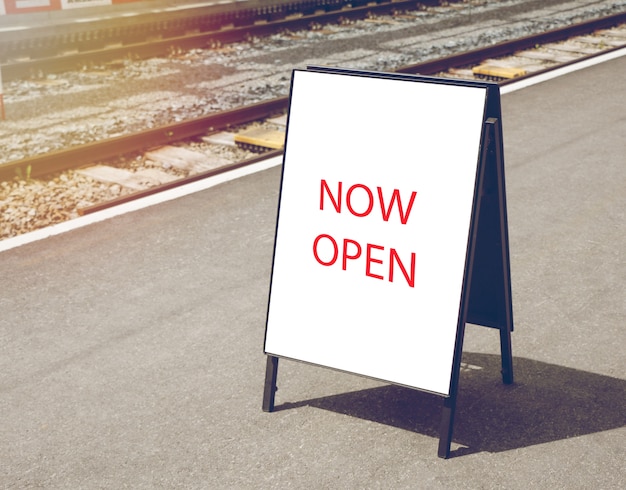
(509, 47)
(56, 161)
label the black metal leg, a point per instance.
(507, 356)
(269, 393)
(446, 426)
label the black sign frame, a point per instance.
(486, 296)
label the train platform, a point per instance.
(132, 348)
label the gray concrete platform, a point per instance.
(132, 350)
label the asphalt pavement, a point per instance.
(132, 349)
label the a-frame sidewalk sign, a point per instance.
(391, 232)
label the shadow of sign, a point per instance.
(547, 403)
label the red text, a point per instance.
(365, 199)
(374, 260)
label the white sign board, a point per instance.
(375, 211)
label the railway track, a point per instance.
(505, 62)
(531, 55)
(31, 58)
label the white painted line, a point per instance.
(559, 72)
(91, 19)
(33, 236)
(13, 28)
(137, 204)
